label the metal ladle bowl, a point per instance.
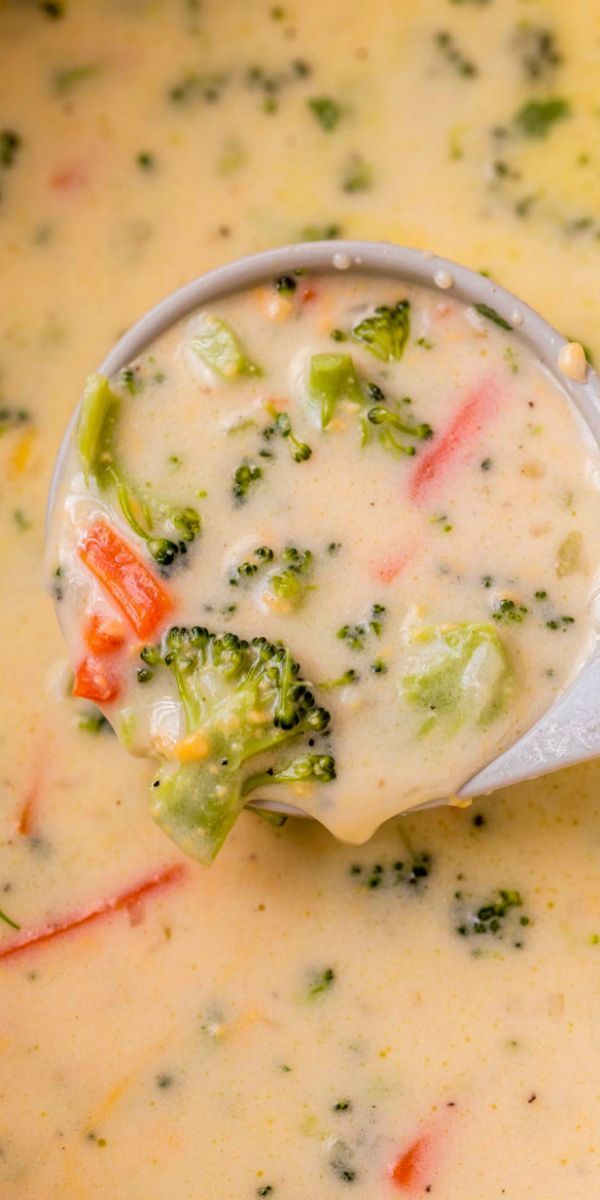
(569, 731)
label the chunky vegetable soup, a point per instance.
(416, 1016)
(386, 573)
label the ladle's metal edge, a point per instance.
(569, 731)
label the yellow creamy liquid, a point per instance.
(147, 1054)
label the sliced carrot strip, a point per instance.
(96, 680)
(103, 634)
(455, 443)
(138, 592)
(103, 908)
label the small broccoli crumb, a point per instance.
(321, 983)
(326, 111)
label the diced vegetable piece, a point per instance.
(138, 592)
(569, 559)
(386, 332)
(239, 700)
(218, 346)
(96, 680)
(459, 673)
(96, 439)
(128, 899)
(456, 442)
(407, 1170)
(103, 634)
(99, 411)
(332, 377)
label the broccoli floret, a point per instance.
(320, 767)
(243, 477)
(388, 422)
(220, 349)
(386, 333)
(356, 635)
(178, 527)
(282, 425)
(291, 581)
(241, 701)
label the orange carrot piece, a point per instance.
(138, 592)
(103, 634)
(409, 1169)
(455, 443)
(96, 680)
(103, 908)
(307, 293)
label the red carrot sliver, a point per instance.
(132, 586)
(104, 908)
(409, 1170)
(455, 443)
(96, 680)
(389, 568)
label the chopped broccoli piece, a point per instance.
(291, 581)
(348, 677)
(100, 409)
(321, 982)
(356, 635)
(496, 916)
(240, 700)
(486, 310)
(385, 333)
(459, 672)
(389, 422)
(536, 118)
(320, 767)
(509, 612)
(282, 425)
(243, 477)
(218, 346)
(332, 377)
(326, 110)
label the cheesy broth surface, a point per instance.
(414, 1017)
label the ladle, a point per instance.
(569, 731)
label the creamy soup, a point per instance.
(414, 1017)
(383, 578)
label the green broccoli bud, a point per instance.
(242, 700)
(385, 333)
(243, 477)
(291, 582)
(320, 767)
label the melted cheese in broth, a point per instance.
(415, 1017)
